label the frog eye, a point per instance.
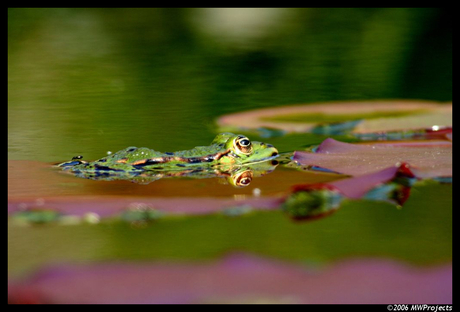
(245, 142)
(243, 179)
(243, 145)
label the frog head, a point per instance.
(241, 150)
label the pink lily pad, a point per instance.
(237, 279)
(426, 160)
(313, 201)
(357, 187)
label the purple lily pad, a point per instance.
(382, 172)
(313, 201)
(237, 279)
(426, 160)
(357, 187)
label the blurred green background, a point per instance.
(86, 81)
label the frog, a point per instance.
(228, 155)
(236, 175)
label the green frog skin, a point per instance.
(226, 150)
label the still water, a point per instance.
(87, 81)
(92, 81)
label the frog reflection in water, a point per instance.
(229, 155)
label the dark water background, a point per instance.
(88, 81)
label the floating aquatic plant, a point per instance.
(427, 159)
(237, 278)
(402, 118)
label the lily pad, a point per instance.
(153, 207)
(379, 172)
(355, 117)
(426, 159)
(310, 201)
(237, 278)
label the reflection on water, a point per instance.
(36, 180)
(238, 176)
